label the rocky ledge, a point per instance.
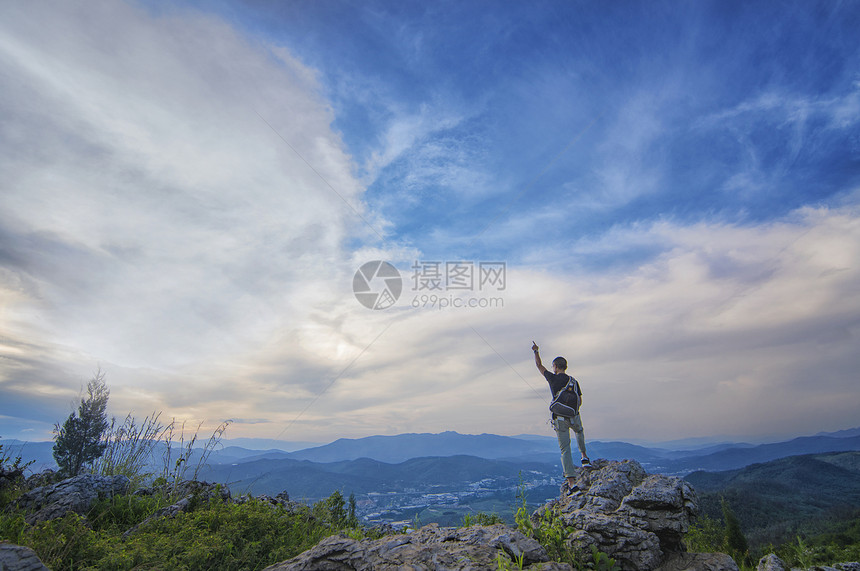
(636, 518)
(431, 547)
(639, 519)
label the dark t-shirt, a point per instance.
(558, 382)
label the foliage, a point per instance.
(840, 543)
(549, 530)
(78, 440)
(11, 476)
(706, 535)
(600, 561)
(176, 471)
(215, 535)
(504, 562)
(777, 501)
(482, 518)
(736, 543)
(129, 448)
(334, 513)
(132, 445)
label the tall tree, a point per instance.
(78, 440)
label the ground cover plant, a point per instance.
(216, 534)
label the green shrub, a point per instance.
(11, 486)
(216, 535)
(482, 518)
(706, 535)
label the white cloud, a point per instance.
(734, 330)
(152, 220)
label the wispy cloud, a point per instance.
(185, 201)
(156, 221)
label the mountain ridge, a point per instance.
(530, 448)
(773, 500)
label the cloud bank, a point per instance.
(185, 200)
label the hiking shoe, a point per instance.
(573, 491)
(586, 463)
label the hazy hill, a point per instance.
(523, 449)
(306, 479)
(40, 453)
(402, 447)
(733, 458)
(405, 446)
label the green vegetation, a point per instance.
(736, 544)
(794, 507)
(79, 439)
(776, 501)
(482, 518)
(806, 509)
(214, 535)
(11, 476)
(836, 542)
(839, 542)
(550, 530)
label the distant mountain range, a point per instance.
(244, 464)
(305, 479)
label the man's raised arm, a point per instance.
(540, 366)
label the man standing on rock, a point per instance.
(557, 380)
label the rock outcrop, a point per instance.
(698, 562)
(771, 562)
(19, 558)
(636, 518)
(430, 547)
(76, 494)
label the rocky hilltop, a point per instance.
(616, 508)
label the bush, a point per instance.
(11, 476)
(216, 535)
(482, 518)
(705, 535)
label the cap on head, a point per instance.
(560, 362)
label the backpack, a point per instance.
(567, 401)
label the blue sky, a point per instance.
(188, 190)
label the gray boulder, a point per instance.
(76, 494)
(771, 562)
(431, 547)
(19, 558)
(636, 518)
(699, 562)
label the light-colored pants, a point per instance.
(562, 426)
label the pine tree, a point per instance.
(78, 440)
